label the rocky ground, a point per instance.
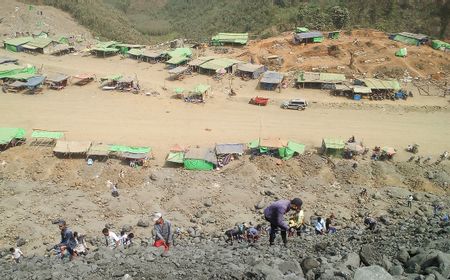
(37, 189)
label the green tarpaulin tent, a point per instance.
(440, 45)
(8, 134)
(406, 40)
(47, 134)
(401, 52)
(301, 30)
(229, 38)
(197, 164)
(179, 52)
(10, 70)
(292, 148)
(176, 60)
(129, 149)
(286, 149)
(201, 88)
(14, 44)
(331, 146)
(135, 52)
(176, 157)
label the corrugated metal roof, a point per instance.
(199, 61)
(40, 42)
(223, 149)
(318, 77)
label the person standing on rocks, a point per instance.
(274, 214)
(410, 199)
(163, 232)
(320, 226)
(16, 254)
(111, 239)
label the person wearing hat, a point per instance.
(163, 232)
(274, 214)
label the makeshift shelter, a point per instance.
(176, 154)
(110, 82)
(104, 52)
(151, 56)
(410, 38)
(301, 30)
(200, 159)
(15, 45)
(82, 79)
(11, 137)
(271, 80)
(126, 48)
(195, 63)
(136, 156)
(34, 84)
(6, 60)
(178, 73)
(45, 137)
(176, 61)
(228, 152)
(10, 71)
(250, 71)
(229, 38)
(319, 80)
(333, 147)
(178, 56)
(440, 45)
(99, 151)
(401, 52)
(276, 147)
(127, 84)
(61, 49)
(380, 85)
(40, 45)
(15, 87)
(334, 35)
(308, 37)
(216, 64)
(57, 81)
(69, 148)
(135, 53)
(198, 94)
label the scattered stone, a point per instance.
(309, 263)
(142, 223)
(373, 272)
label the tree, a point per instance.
(339, 16)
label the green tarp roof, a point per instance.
(406, 40)
(103, 45)
(382, 84)
(40, 42)
(179, 52)
(401, 52)
(177, 60)
(236, 38)
(219, 63)
(177, 157)
(438, 44)
(332, 143)
(18, 41)
(113, 77)
(201, 88)
(21, 76)
(136, 52)
(129, 149)
(319, 77)
(10, 70)
(105, 50)
(301, 30)
(8, 134)
(47, 134)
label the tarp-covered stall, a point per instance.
(99, 151)
(16, 44)
(228, 152)
(9, 71)
(440, 45)
(308, 37)
(176, 154)
(251, 71)
(198, 94)
(136, 156)
(332, 146)
(410, 38)
(271, 80)
(11, 136)
(82, 79)
(71, 147)
(57, 81)
(214, 65)
(45, 137)
(200, 159)
(229, 38)
(319, 80)
(278, 147)
(151, 56)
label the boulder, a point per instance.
(142, 223)
(403, 255)
(289, 267)
(370, 255)
(373, 272)
(396, 270)
(309, 263)
(437, 260)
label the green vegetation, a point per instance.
(138, 20)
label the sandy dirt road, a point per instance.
(87, 113)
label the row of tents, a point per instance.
(192, 158)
